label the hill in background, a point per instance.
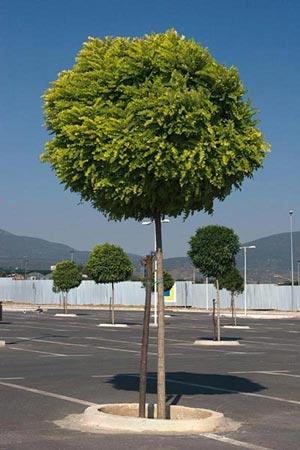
(269, 262)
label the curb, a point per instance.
(65, 315)
(122, 417)
(212, 343)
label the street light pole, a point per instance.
(298, 274)
(245, 275)
(292, 258)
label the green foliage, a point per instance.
(168, 281)
(213, 249)
(232, 281)
(66, 276)
(109, 264)
(148, 126)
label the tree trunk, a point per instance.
(214, 320)
(232, 308)
(145, 338)
(65, 303)
(161, 371)
(112, 303)
(234, 311)
(218, 311)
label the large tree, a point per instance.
(148, 127)
(212, 250)
(109, 264)
(66, 276)
(233, 282)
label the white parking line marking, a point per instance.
(48, 394)
(115, 340)
(226, 390)
(233, 442)
(12, 378)
(123, 350)
(272, 372)
(51, 342)
(277, 344)
(36, 351)
(81, 345)
(102, 376)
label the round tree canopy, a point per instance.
(168, 281)
(148, 126)
(109, 264)
(232, 281)
(67, 275)
(213, 249)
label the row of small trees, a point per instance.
(213, 250)
(107, 264)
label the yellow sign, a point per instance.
(170, 296)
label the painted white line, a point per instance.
(234, 442)
(226, 390)
(12, 378)
(85, 345)
(115, 340)
(51, 342)
(277, 344)
(244, 353)
(36, 351)
(48, 394)
(123, 350)
(75, 355)
(265, 372)
(174, 340)
(102, 376)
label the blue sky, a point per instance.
(39, 38)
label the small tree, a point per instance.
(233, 282)
(212, 251)
(66, 276)
(109, 264)
(168, 281)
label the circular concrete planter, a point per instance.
(207, 342)
(65, 315)
(115, 325)
(123, 417)
(237, 327)
(2, 343)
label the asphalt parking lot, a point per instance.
(52, 367)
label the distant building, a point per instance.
(37, 276)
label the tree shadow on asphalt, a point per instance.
(187, 383)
